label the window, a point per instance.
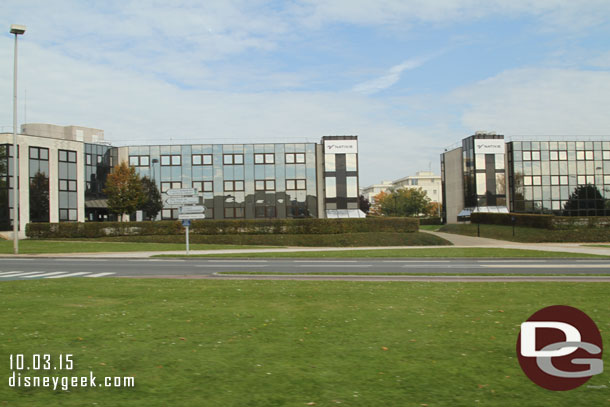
(230, 186)
(265, 212)
(266, 158)
(234, 212)
(204, 186)
(171, 160)
(352, 187)
(351, 163)
(527, 156)
(233, 159)
(170, 213)
(296, 184)
(606, 155)
(580, 155)
(295, 158)
(202, 159)
(329, 163)
(165, 186)
(66, 156)
(264, 185)
(67, 185)
(331, 187)
(563, 155)
(138, 160)
(588, 155)
(535, 155)
(88, 160)
(554, 156)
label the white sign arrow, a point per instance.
(192, 209)
(191, 216)
(181, 191)
(182, 200)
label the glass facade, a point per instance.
(559, 177)
(68, 185)
(244, 181)
(39, 184)
(6, 195)
(484, 172)
(99, 160)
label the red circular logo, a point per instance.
(560, 348)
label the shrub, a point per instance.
(542, 221)
(221, 227)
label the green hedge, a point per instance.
(542, 221)
(430, 221)
(221, 227)
(319, 240)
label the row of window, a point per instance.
(561, 155)
(231, 186)
(206, 159)
(90, 160)
(563, 180)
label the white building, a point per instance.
(425, 180)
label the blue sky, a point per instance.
(409, 77)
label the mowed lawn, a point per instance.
(287, 343)
(96, 246)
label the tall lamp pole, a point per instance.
(17, 30)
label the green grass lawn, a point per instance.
(94, 246)
(441, 252)
(285, 343)
(529, 235)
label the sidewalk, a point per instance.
(458, 241)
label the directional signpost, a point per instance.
(186, 196)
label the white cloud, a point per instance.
(539, 102)
(390, 78)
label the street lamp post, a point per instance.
(16, 30)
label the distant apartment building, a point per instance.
(426, 180)
(486, 174)
(63, 171)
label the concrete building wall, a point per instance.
(54, 145)
(454, 184)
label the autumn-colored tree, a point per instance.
(124, 190)
(375, 209)
(403, 202)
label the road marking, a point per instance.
(334, 265)
(19, 274)
(549, 266)
(512, 261)
(231, 265)
(417, 261)
(80, 273)
(80, 259)
(100, 274)
(46, 274)
(325, 261)
(237, 261)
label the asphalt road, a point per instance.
(37, 268)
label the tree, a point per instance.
(153, 203)
(363, 204)
(586, 200)
(39, 198)
(404, 202)
(124, 190)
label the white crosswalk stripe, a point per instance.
(19, 274)
(100, 274)
(80, 273)
(45, 275)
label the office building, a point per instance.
(63, 172)
(485, 174)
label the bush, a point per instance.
(542, 221)
(319, 240)
(222, 227)
(430, 221)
